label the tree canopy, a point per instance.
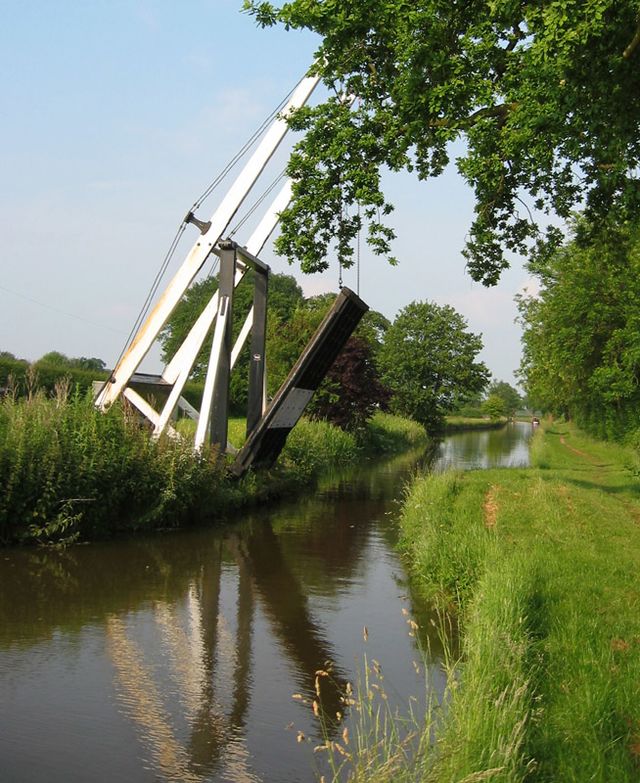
(284, 296)
(57, 359)
(511, 399)
(581, 335)
(494, 407)
(351, 392)
(428, 361)
(544, 96)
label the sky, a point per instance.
(116, 115)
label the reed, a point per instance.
(67, 471)
(372, 738)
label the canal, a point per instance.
(193, 655)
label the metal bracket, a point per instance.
(204, 226)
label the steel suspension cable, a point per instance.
(152, 291)
(243, 150)
(181, 229)
(256, 205)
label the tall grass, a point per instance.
(375, 737)
(443, 537)
(541, 567)
(493, 697)
(387, 433)
(313, 446)
(68, 471)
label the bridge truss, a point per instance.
(267, 425)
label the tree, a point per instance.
(286, 337)
(541, 93)
(351, 392)
(494, 407)
(372, 329)
(284, 296)
(428, 362)
(55, 359)
(511, 400)
(581, 340)
(93, 363)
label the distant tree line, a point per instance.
(423, 365)
(21, 376)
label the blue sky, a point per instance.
(116, 115)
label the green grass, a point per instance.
(70, 473)
(541, 566)
(387, 434)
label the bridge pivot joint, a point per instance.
(203, 225)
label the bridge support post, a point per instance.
(257, 366)
(220, 396)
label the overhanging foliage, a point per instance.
(543, 94)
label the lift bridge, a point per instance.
(268, 423)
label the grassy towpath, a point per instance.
(543, 567)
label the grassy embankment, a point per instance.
(68, 472)
(541, 565)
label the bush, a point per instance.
(70, 471)
(24, 378)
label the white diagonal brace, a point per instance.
(173, 399)
(193, 263)
(145, 409)
(188, 408)
(178, 369)
(242, 337)
(212, 372)
(185, 356)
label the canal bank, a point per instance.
(70, 473)
(175, 657)
(541, 566)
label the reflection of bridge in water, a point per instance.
(209, 662)
(174, 657)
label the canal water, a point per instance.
(193, 656)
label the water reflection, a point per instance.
(506, 447)
(174, 657)
(187, 647)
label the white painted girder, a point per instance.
(178, 370)
(220, 219)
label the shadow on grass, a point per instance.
(631, 490)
